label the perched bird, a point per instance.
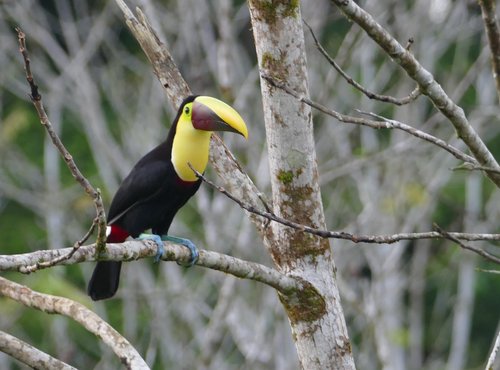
(162, 182)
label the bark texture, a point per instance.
(29, 355)
(315, 313)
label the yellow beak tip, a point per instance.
(228, 114)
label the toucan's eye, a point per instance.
(187, 110)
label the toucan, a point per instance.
(162, 182)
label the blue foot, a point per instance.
(158, 241)
(187, 243)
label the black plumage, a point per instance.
(162, 182)
(148, 198)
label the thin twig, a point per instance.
(474, 167)
(385, 123)
(36, 98)
(426, 82)
(488, 271)
(479, 251)
(372, 239)
(64, 257)
(470, 163)
(383, 98)
(394, 124)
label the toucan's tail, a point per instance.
(105, 279)
(106, 276)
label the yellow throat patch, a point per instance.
(189, 146)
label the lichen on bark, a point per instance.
(272, 10)
(304, 304)
(314, 311)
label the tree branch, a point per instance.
(489, 271)
(383, 98)
(133, 250)
(384, 124)
(176, 88)
(29, 355)
(488, 12)
(494, 352)
(456, 240)
(372, 239)
(426, 83)
(473, 167)
(95, 194)
(162, 62)
(81, 314)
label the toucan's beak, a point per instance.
(210, 114)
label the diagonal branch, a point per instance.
(473, 167)
(29, 355)
(36, 98)
(78, 312)
(426, 83)
(493, 353)
(456, 240)
(163, 64)
(394, 124)
(40, 265)
(384, 124)
(383, 98)
(372, 239)
(488, 10)
(176, 88)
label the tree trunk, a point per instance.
(315, 314)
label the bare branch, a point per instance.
(78, 312)
(133, 250)
(57, 261)
(29, 355)
(394, 124)
(494, 352)
(176, 88)
(384, 124)
(474, 167)
(372, 239)
(489, 271)
(383, 98)
(36, 98)
(479, 251)
(162, 62)
(426, 83)
(492, 31)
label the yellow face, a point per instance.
(195, 126)
(190, 146)
(186, 114)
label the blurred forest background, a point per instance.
(411, 305)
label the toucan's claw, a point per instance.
(158, 240)
(187, 243)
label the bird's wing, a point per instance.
(144, 182)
